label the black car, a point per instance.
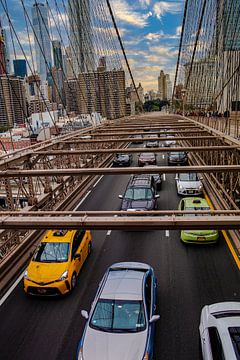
(122, 160)
(177, 158)
(140, 194)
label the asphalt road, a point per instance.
(188, 278)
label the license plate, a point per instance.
(42, 291)
(190, 191)
(201, 238)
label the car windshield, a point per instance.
(52, 252)
(196, 209)
(188, 177)
(146, 155)
(122, 157)
(119, 316)
(177, 154)
(138, 194)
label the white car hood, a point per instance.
(189, 184)
(117, 346)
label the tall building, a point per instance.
(3, 51)
(71, 92)
(69, 63)
(20, 67)
(164, 86)
(103, 92)
(57, 87)
(57, 54)
(42, 39)
(80, 33)
(13, 108)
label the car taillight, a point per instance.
(146, 356)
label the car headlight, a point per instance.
(200, 187)
(26, 275)
(180, 187)
(63, 276)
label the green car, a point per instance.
(197, 236)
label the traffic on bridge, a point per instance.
(119, 210)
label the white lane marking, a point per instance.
(98, 181)
(167, 233)
(109, 232)
(14, 285)
(83, 199)
(163, 156)
(164, 177)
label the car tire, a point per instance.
(89, 248)
(73, 281)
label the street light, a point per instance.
(183, 92)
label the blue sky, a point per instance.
(150, 31)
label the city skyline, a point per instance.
(150, 31)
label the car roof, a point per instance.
(123, 284)
(224, 316)
(58, 236)
(141, 180)
(195, 202)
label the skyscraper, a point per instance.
(164, 86)
(42, 39)
(80, 33)
(57, 54)
(20, 67)
(3, 52)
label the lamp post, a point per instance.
(183, 92)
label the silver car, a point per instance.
(189, 184)
(121, 322)
(220, 331)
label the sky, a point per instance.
(150, 31)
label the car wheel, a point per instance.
(73, 280)
(89, 248)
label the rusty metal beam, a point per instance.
(139, 150)
(128, 170)
(128, 139)
(122, 222)
(147, 134)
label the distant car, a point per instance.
(220, 331)
(189, 184)
(197, 236)
(122, 160)
(147, 159)
(56, 263)
(136, 136)
(122, 318)
(152, 144)
(157, 178)
(177, 158)
(169, 142)
(140, 194)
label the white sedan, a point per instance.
(220, 331)
(189, 184)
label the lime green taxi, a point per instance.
(197, 236)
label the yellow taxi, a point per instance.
(57, 261)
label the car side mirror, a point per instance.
(157, 196)
(120, 196)
(154, 318)
(76, 256)
(201, 178)
(84, 314)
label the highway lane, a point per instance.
(188, 278)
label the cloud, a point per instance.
(124, 12)
(163, 7)
(144, 2)
(179, 30)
